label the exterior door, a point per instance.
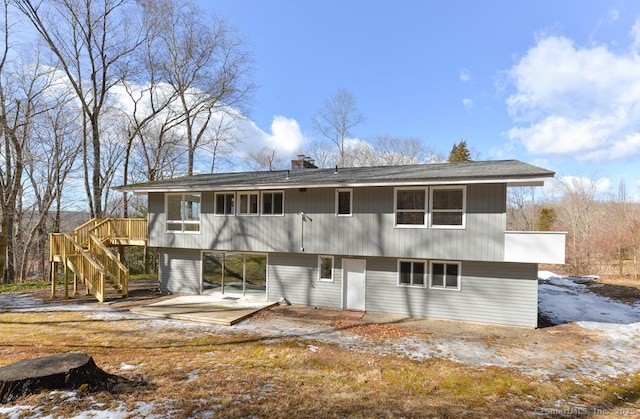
(354, 276)
(234, 274)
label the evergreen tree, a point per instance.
(459, 153)
(546, 217)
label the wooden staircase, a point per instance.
(87, 253)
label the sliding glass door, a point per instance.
(234, 274)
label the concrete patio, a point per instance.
(215, 309)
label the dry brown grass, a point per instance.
(190, 373)
(622, 289)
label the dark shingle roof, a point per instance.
(510, 171)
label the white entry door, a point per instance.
(354, 276)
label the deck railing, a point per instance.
(114, 269)
(125, 228)
(86, 252)
(86, 267)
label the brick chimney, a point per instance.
(303, 162)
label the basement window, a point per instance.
(445, 275)
(411, 273)
(325, 268)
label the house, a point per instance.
(424, 240)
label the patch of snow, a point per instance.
(565, 301)
(544, 275)
(126, 367)
(19, 411)
(193, 375)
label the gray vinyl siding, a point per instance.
(295, 277)
(369, 232)
(497, 293)
(179, 270)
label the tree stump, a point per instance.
(53, 372)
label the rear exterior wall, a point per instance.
(370, 231)
(495, 293)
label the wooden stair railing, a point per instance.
(86, 253)
(116, 273)
(85, 267)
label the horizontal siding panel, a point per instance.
(490, 293)
(295, 277)
(179, 270)
(504, 293)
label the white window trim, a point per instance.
(215, 204)
(248, 194)
(181, 222)
(464, 207)
(333, 269)
(426, 207)
(262, 200)
(425, 274)
(445, 288)
(350, 190)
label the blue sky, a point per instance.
(554, 83)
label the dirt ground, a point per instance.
(373, 325)
(340, 364)
(548, 339)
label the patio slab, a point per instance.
(220, 310)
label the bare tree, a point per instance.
(385, 150)
(265, 159)
(93, 42)
(577, 214)
(521, 208)
(206, 64)
(325, 155)
(51, 158)
(159, 152)
(337, 117)
(27, 101)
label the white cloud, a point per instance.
(286, 137)
(635, 34)
(576, 101)
(465, 76)
(467, 103)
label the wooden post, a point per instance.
(66, 281)
(75, 284)
(52, 274)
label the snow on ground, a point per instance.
(565, 301)
(613, 349)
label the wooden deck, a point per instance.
(88, 254)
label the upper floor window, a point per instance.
(225, 203)
(448, 206)
(412, 273)
(411, 205)
(248, 203)
(445, 275)
(183, 212)
(344, 202)
(273, 203)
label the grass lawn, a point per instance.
(185, 370)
